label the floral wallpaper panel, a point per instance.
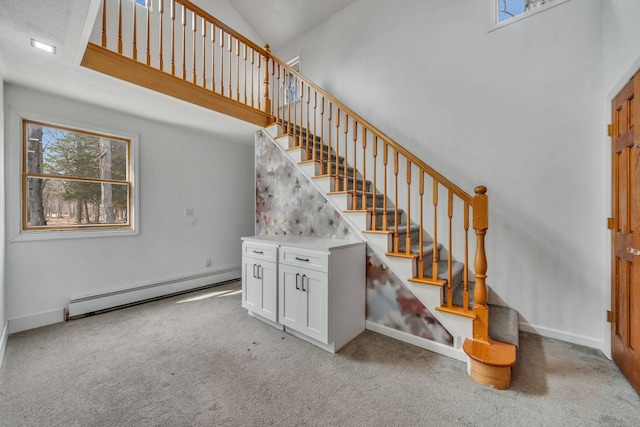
(286, 203)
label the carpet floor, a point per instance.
(199, 360)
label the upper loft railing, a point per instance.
(175, 47)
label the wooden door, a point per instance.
(625, 281)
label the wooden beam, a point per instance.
(111, 63)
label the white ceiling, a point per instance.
(67, 24)
(280, 22)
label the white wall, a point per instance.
(2, 224)
(179, 169)
(519, 109)
(621, 33)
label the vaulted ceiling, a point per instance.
(280, 22)
(67, 24)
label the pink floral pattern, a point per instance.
(287, 204)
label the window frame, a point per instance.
(492, 14)
(16, 159)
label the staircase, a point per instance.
(389, 234)
(417, 221)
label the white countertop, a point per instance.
(306, 242)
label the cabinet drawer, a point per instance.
(260, 251)
(304, 258)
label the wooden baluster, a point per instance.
(294, 129)
(299, 126)
(221, 61)
(273, 105)
(278, 107)
(374, 190)
(230, 51)
(300, 102)
(364, 168)
(354, 195)
(184, 43)
(135, 31)
(337, 165)
(396, 235)
(408, 237)
(245, 74)
(253, 54)
(450, 251)
(213, 57)
(385, 160)
(421, 238)
(204, 53)
(480, 204)
(238, 70)
(329, 151)
(309, 142)
(323, 169)
(104, 23)
(266, 107)
(194, 29)
(345, 176)
(434, 272)
(288, 101)
(315, 120)
(173, 37)
(465, 297)
(120, 27)
(147, 5)
(161, 36)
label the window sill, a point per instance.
(32, 236)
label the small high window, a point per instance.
(292, 83)
(508, 9)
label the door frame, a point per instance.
(606, 300)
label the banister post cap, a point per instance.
(481, 189)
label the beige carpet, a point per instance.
(200, 360)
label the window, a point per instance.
(291, 82)
(74, 179)
(505, 12)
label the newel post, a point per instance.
(266, 102)
(480, 204)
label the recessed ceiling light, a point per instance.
(46, 47)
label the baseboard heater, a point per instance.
(108, 301)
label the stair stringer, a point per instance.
(460, 327)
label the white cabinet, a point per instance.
(260, 280)
(320, 290)
(303, 296)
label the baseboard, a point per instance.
(3, 341)
(434, 346)
(562, 336)
(36, 320)
(99, 302)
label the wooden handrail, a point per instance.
(379, 134)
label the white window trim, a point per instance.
(492, 14)
(14, 179)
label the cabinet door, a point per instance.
(303, 299)
(259, 288)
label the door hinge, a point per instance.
(609, 316)
(610, 223)
(610, 130)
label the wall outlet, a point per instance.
(207, 262)
(188, 211)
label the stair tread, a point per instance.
(495, 353)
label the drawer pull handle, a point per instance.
(258, 252)
(302, 259)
